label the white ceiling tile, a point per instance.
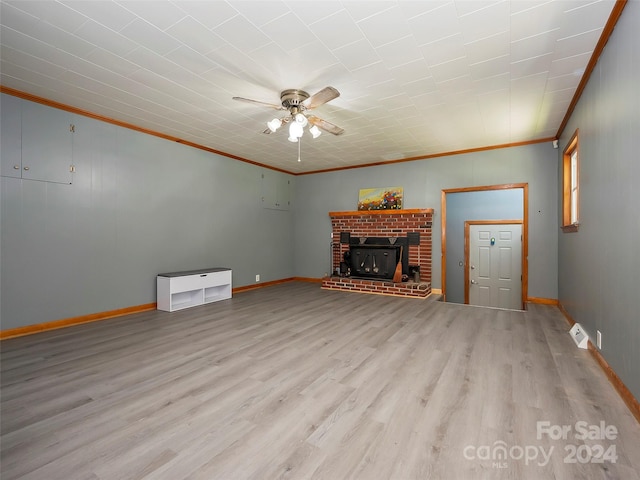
(185, 58)
(194, 35)
(29, 45)
(44, 31)
(260, 12)
(408, 73)
(530, 85)
(150, 60)
(326, 29)
(17, 19)
(413, 9)
(399, 52)
(533, 46)
(562, 82)
(241, 33)
(492, 84)
(573, 65)
(535, 18)
(29, 62)
(109, 14)
(437, 24)
(466, 7)
(421, 86)
(577, 44)
(361, 10)
(384, 27)
(585, 16)
(356, 55)
(487, 48)
(62, 40)
(52, 12)
(147, 35)
(112, 62)
(428, 100)
(277, 62)
(231, 59)
(373, 74)
(490, 68)
(105, 38)
(289, 31)
(185, 79)
(314, 52)
(159, 13)
(485, 22)
(452, 69)
(152, 80)
(208, 13)
(14, 76)
(311, 12)
(444, 50)
(456, 90)
(531, 66)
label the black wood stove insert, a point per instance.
(376, 257)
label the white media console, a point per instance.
(180, 290)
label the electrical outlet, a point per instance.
(599, 339)
(257, 278)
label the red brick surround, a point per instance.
(384, 223)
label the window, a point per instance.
(571, 186)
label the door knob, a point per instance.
(473, 282)
(473, 267)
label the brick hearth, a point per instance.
(383, 223)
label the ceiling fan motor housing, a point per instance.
(293, 98)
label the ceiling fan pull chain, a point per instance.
(299, 142)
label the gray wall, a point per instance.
(599, 266)
(423, 182)
(139, 206)
(481, 205)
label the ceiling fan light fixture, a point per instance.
(315, 131)
(297, 103)
(295, 130)
(274, 124)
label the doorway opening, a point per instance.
(495, 203)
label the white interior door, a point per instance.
(494, 265)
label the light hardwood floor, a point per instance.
(296, 382)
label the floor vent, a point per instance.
(579, 337)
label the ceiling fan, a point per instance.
(297, 103)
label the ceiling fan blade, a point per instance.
(248, 100)
(324, 125)
(323, 96)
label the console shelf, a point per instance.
(178, 290)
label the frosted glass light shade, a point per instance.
(295, 130)
(315, 131)
(301, 119)
(274, 124)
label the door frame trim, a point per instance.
(525, 231)
(467, 225)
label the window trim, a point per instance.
(567, 186)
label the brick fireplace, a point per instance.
(409, 228)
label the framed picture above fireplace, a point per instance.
(385, 198)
